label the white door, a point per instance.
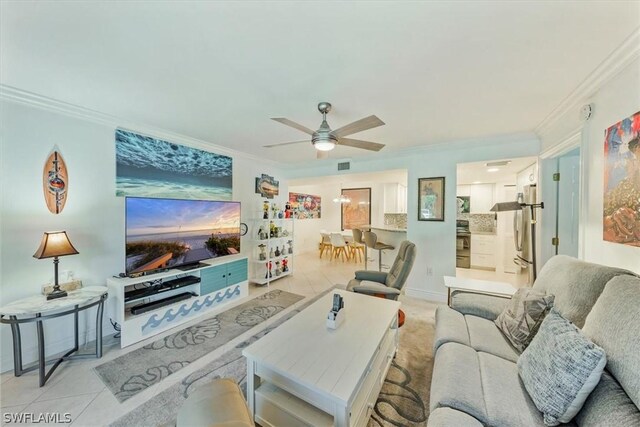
(568, 203)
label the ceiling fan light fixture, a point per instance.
(327, 145)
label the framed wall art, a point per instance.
(357, 212)
(621, 210)
(431, 199)
(267, 186)
(305, 206)
(150, 167)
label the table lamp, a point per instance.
(53, 245)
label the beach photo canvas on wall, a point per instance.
(357, 212)
(621, 210)
(149, 167)
(267, 186)
(305, 206)
(431, 199)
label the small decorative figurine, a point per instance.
(274, 210)
(290, 243)
(278, 268)
(280, 214)
(285, 265)
(279, 232)
(287, 210)
(277, 251)
(272, 229)
(263, 254)
(269, 267)
(265, 210)
(271, 253)
(282, 251)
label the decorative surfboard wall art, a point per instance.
(55, 182)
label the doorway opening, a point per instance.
(489, 245)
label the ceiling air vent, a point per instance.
(344, 166)
(498, 163)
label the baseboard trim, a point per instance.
(428, 295)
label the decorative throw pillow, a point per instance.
(560, 368)
(521, 319)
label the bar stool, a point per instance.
(371, 240)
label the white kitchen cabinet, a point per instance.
(481, 197)
(483, 251)
(395, 198)
(463, 190)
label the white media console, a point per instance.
(220, 281)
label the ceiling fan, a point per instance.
(324, 139)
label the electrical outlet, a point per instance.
(429, 271)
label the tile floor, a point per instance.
(76, 389)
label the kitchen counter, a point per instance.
(390, 228)
(484, 233)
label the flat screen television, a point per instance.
(172, 233)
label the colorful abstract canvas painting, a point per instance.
(149, 167)
(305, 206)
(621, 210)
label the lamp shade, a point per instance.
(55, 244)
(506, 206)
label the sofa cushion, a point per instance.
(484, 386)
(614, 324)
(560, 368)
(447, 417)
(521, 319)
(473, 331)
(575, 284)
(608, 405)
(450, 327)
(485, 336)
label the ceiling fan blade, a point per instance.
(358, 126)
(356, 143)
(286, 143)
(322, 154)
(293, 124)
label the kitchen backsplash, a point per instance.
(485, 223)
(398, 220)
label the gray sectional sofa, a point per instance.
(475, 379)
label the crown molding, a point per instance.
(13, 94)
(571, 141)
(617, 61)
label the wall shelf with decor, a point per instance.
(272, 252)
(212, 285)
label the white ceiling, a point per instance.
(348, 180)
(478, 172)
(217, 71)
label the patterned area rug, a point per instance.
(403, 401)
(135, 371)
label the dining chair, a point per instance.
(357, 248)
(325, 243)
(339, 247)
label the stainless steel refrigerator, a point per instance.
(522, 235)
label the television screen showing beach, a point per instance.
(166, 233)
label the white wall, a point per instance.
(307, 231)
(434, 240)
(93, 215)
(616, 99)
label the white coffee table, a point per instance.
(304, 374)
(500, 289)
